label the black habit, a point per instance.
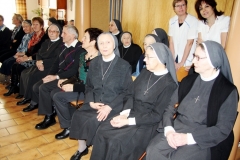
(207, 110)
(130, 142)
(109, 91)
(47, 53)
(131, 54)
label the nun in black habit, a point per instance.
(207, 108)
(127, 135)
(107, 81)
(44, 58)
(129, 51)
(115, 27)
(162, 35)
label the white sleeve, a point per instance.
(131, 121)
(225, 24)
(200, 26)
(190, 139)
(125, 112)
(168, 128)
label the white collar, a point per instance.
(127, 46)
(116, 33)
(3, 27)
(165, 71)
(109, 59)
(212, 77)
(55, 40)
(73, 44)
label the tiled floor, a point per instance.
(19, 140)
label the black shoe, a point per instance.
(24, 101)
(30, 107)
(47, 122)
(13, 89)
(8, 86)
(77, 155)
(19, 96)
(63, 134)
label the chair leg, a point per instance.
(143, 155)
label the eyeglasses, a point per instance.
(197, 57)
(180, 5)
(49, 31)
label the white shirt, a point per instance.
(73, 44)
(213, 33)
(181, 35)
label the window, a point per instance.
(7, 9)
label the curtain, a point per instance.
(115, 10)
(21, 8)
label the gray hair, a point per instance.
(18, 17)
(73, 30)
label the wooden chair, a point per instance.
(77, 104)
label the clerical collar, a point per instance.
(116, 33)
(55, 40)
(127, 46)
(165, 71)
(109, 59)
(212, 77)
(73, 44)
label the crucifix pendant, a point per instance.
(197, 99)
(145, 92)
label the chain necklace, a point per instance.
(125, 52)
(146, 91)
(103, 75)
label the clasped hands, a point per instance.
(176, 139)
(66, 87)
(102, 110)
(49, 78)
(20, 58)
(119, 121)
(40, 65)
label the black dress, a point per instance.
(130, 142)
(116, 80)
(131, 54)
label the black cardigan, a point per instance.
(217, 97)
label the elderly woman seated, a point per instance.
(207, 110)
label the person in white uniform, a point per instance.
(213, 25)
(182, 34)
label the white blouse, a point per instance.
(213, 33)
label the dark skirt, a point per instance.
(29, 77)
(85, 124)
(126, 143)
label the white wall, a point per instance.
(70, 14)
(31, 5)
